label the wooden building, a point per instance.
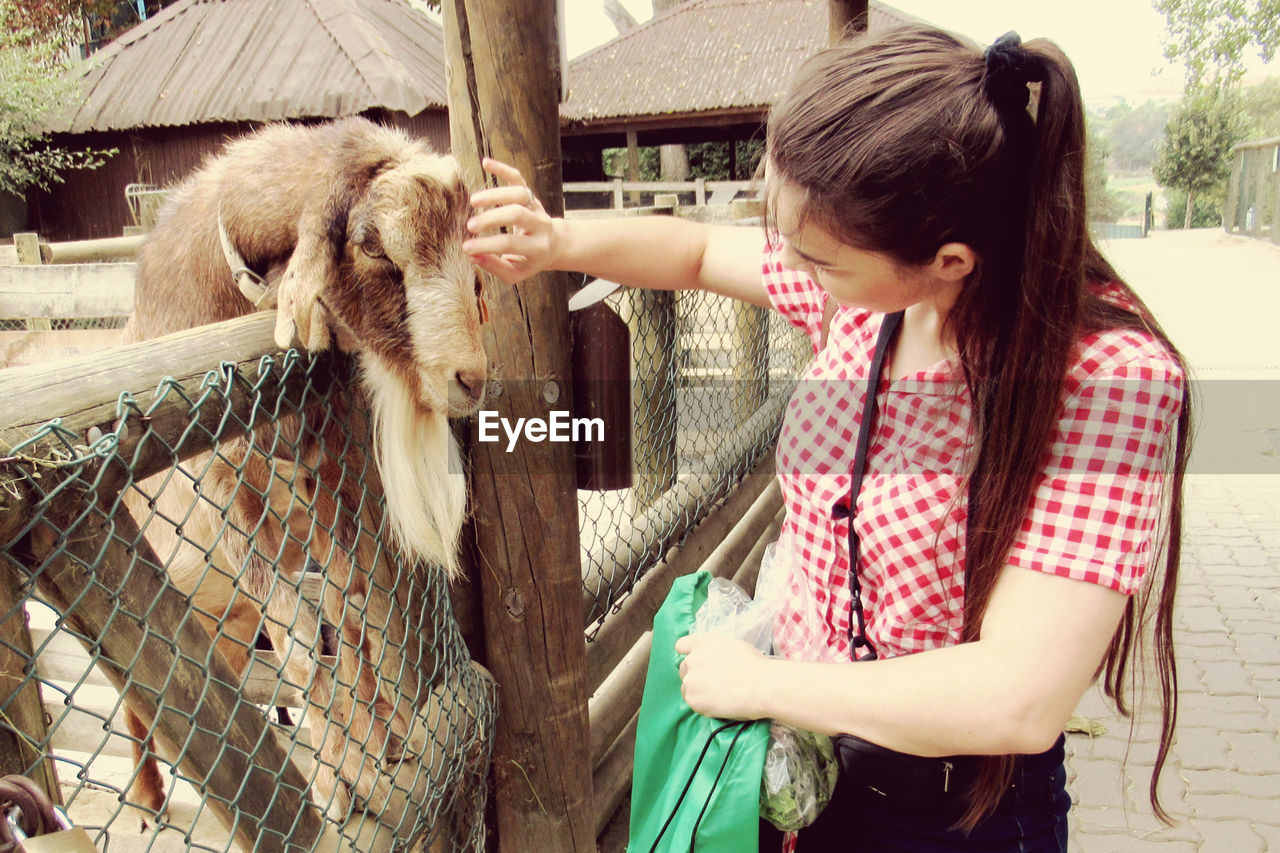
(175, 88)
(704, 71)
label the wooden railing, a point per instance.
(1253, 196)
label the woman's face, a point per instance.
(854, 277)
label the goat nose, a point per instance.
(472, 382)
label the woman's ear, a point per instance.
(953, 261)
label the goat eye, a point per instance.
(373, 250)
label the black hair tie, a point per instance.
(1009, 70)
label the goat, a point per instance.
(369, 225)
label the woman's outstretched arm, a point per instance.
(655, 252)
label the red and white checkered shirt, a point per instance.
(1090, 519)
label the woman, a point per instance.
(1018, 523)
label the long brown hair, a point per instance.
(899, 148)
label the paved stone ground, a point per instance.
(1217, 296)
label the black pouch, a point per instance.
(902, 780)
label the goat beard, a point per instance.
(422, 471)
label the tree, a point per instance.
(90, 23)
(33, 84)
(1103, 205)
(1210, 37)
(1194, 155)
(1132, 134)
(1261, 105)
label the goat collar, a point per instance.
(254, 287)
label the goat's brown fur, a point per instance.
(368, 225)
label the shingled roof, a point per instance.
(704, 55)
(262, 60)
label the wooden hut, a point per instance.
(173, 89)
(704, 71)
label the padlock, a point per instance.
(66, 839)
(71, 840)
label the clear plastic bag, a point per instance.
(800, 770)
(800, 767)
(730, 612)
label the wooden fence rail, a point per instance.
(721, 192)
(66, 292)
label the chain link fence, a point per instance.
(206, 641)
(78, 324)
(711, 378)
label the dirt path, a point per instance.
(1218, 297)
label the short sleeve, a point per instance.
(793, 294)
(1099, 497)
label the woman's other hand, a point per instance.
(529, 244)
(721, 677)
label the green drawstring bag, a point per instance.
(696, 784)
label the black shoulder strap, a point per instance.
(865, 430)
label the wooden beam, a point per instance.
(612, 780)
(633, 163)
(90, 251)
(673, 127)
(24, 737)
(27, 247)
(1262, 172)
(651, 314)
(618, 698)
(751, 359)
(63, 659)
(1275, 209)
(713, 543)
(67, 292)
(101, 575)
(1233, 192)
(84, 394)
(648, 537)
(503, 102)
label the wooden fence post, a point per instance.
(750, 359)
(1233, 191)
(654, 344)
(1275, 199)
(27, 245)
(633, 164)
(503, 101)
(1261, 172)
(22, 725)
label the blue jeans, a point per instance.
(1031, 818)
